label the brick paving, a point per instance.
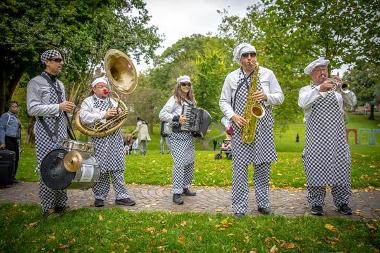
(287, 202)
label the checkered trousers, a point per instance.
(316, 195)
(44, 144)
(262, 149)
(109, 149)
(326, 155)
(182, 147)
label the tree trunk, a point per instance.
(372, 112)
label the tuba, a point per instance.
(252, 110)
(122, 76)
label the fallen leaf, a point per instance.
(288, 245)
(150, 230)
(330, 227)
(181, 239)
(101, 217)
(253, 250)
(62, 246)
(199, 238)
(183, 223)
(161, 248)
(32, 225)
(274, 249)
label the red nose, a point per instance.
(106, 91)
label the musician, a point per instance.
(47, 102)
(181, 142)
(261, 152)
(109, 151)
(326, 154)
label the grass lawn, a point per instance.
(116, 230)
(286, 172)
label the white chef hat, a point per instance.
(183, 79)
(321, 61)
(242, 49)
(101, 79)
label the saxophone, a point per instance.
(252, 110)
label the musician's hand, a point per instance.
(182, 119)
(259, 96)
(238, 120)
(66, 106)
(326, 85)
(2, 146)
(111, 112)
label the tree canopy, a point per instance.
(81, 30)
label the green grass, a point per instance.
(287, 172)
(116, 230)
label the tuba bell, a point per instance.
(122, 76)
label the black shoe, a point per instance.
(316, 210)
(177, 199)
(61, 209)
(50, 213)
(99, 203)
(239, 215)
(344, 209)
(125, 202)
(264, 210)
(187, 192)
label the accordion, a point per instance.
(197, 120)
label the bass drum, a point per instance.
(61, 169)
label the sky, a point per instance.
(176, 19)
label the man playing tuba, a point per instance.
(108, 149)
(237, 95)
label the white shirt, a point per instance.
(269, 84)
(170, 109)
(89, 114)
(308, 95)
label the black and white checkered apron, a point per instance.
(182, 147)
(326, 156)
(44, 144)
(109, 153)
(261, 153)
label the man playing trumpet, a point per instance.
(326, 154)
(109, 151)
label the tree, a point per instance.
(289, 34)
(364, 80)
(82, 30)
(212, 68)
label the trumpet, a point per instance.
(337, 84)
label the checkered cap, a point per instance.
(50, 54)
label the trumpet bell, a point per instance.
(120, 71)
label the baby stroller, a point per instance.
(225, 147)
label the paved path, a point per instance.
(365, 204)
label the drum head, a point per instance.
(53, 172)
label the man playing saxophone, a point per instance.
(109, 151)
(255, 88)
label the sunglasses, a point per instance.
(186, 84)
(59, 60)
(245, 55)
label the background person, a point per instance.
(10, 133)
(142, 134)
